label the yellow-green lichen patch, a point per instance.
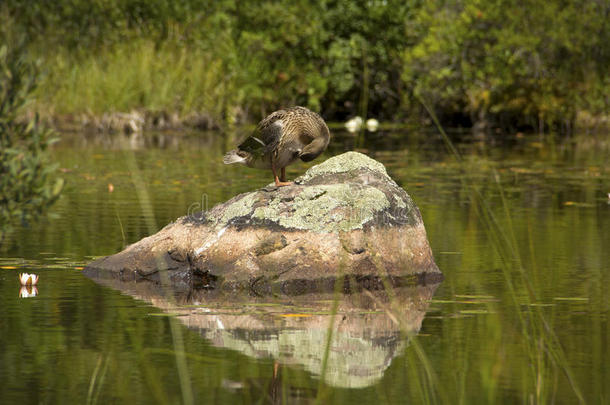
(239, 208)
(400, 203)
(326, 208)
(345, 162)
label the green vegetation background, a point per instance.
(515, 64)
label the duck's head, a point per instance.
(315, 147)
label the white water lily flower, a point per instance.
(354, 124)
(28, 291)
(28, 279)
(372, 124)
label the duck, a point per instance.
(280, 139)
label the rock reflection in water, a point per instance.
(369, 328)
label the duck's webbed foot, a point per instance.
(281, 181)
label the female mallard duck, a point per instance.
(280, 139)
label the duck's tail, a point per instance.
(235, 156)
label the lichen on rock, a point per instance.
(325, 208)
(356, 191)
(238, 208)
(344, 163)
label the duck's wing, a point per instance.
(253, 145)
(266, 136)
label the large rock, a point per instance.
(343, 218)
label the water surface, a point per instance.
(519, 229)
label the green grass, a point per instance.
(134, 75)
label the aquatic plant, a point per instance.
(27, 186)
(536, 339)
(28, 279)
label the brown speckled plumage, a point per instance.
(281, 138)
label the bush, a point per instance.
(511, 62)
(26, 184)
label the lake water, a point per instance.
(520, 229)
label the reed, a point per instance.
(176, 330)
(537, 339)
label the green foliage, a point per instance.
(278, 48)
(329, 55)
(363, 55)
(26, 185)
(510, 60)
(500, 62)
